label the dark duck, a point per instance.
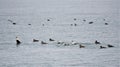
(96, 42)
(35, 40)
(110, 45)
(51, 39)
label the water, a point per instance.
(59, 28)
(61, 14)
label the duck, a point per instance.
(29, 24)
(84, 20)
(14, 23)
(60, 42)
(42, 42)
(66, 44)
(110, 45)
(75, 19)
(18, 41)
(48, 19)
(75, 24)
(91, 22)
(106, 23)
(101, 47)
(35, 40)
(71, 24)
(74, 43)
(51, 39)
(81, 46)
(10, 20)
(96, 42)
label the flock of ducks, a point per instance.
(18, 42)
(74, 24)
(96, 42)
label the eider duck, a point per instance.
(34, 40)
(42, 42)
(91, 22)
(66, 44)
(110, 45)
(14, 23)
(81, 46)
(51, 39)
(106, 23)
(75, 24)
(60, 42)
(96, 42)
(101, 47)
(18, 41)
(74, 43)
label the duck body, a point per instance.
(18, 41)
(51, 39)
(81, 46)
(102, 47)
(110, 45)
(96, 42)
(42, 42)
(34, 40)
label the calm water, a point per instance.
(30, 54)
